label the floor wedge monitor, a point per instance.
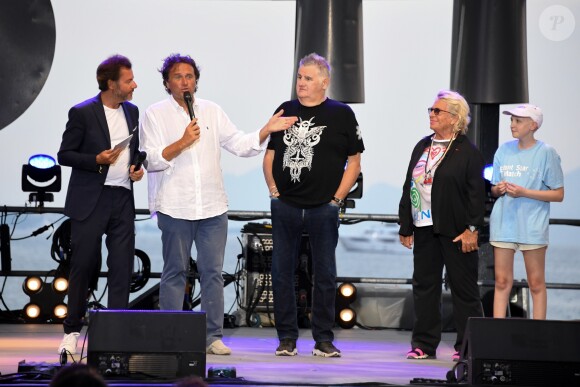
(144, 343)
(520, 352)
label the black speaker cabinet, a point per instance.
(521, 352)
(145, 343)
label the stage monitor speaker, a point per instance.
(147, 343)
(520, 352)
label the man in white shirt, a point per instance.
(186, 187)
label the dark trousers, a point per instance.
(431, 252)
(114, 216)
(288, 224)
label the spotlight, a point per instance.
(32, 285)
(32, 311)
(40, 176)
(46, 303)
(347, 291)
(347, 318)
(60, 285)
(60, 311)
(488, 172)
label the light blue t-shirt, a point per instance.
(524, 220)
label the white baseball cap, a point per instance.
(527, 110)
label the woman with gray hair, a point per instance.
(441, 209)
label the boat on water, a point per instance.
(379, 238)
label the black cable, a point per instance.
(61, 249)
(140, 278)
(14, 224)
(2, 294)
(38, 231)
(98, 300)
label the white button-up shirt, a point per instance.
(191, 185)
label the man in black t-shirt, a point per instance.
(310, 168)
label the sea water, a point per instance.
(389, 261)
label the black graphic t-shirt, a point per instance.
(310, 157)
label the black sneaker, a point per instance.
(326, 349)
(287, 347)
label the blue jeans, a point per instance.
(177, 237)
(288, 224)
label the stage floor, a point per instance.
(369, 357)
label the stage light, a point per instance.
(345, 315)
(347, 318)
(40, 176)
(488, 172)
(347, 291)
(32, 311)
(60, 285)
(60, 311)
(46, 303)
(32, 285)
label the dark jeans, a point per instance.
(288, 224)
(431, 252)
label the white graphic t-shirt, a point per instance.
(422, 181)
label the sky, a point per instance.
(246, 51)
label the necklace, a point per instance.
(428, 176)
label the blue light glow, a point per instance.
(42, 161)
(488, 172)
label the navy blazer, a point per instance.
(86, 135)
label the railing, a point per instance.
(346, 218)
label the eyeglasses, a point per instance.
(436, 111)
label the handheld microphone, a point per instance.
(189, 101)
(139, 159)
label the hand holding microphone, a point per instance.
(135, 171)
(192, 131)
(138, 161)
(189, 102)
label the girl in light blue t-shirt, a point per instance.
(527, 176)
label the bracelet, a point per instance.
(338, 201)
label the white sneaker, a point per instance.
(218, 348)
(69, 343)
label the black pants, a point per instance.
(432, 252)
(114, 215)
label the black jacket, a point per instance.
(85, 136)
(458, 192)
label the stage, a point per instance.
(369, 357)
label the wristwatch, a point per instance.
(338, 201)
(472, 228)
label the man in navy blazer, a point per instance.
(100, 191)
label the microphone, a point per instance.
(138, 161)
(189, 101)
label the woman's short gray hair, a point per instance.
(458, 106)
